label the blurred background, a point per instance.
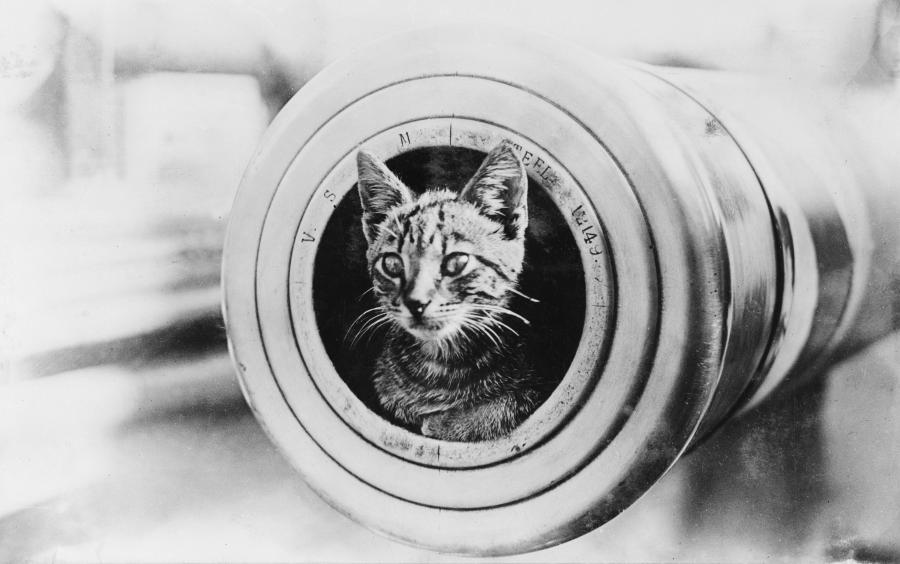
(124, 130)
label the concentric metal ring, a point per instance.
(683, 301)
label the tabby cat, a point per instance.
(444, 267)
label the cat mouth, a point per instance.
(427, 329)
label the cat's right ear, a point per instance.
(380, 191)
(499, 188)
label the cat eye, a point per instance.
(454, 264)
(392, 265)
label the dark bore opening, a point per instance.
(553, 274)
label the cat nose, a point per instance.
(416, 307)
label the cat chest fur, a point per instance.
(412, 384)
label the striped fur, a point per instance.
(444, 267)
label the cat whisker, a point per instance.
(493, 336)
(375, 321)
(386, 320)
(484, 329)
(371, 309)
(363, 321)
(463, 333)
(490, 329)
(526, 296)
(475, 332)
(496, 321)
(501, 309)
(361, 296)
(361, 317)
(369, 326)
(443, 314)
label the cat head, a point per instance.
(444, 263)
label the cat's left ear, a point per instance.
(500, 189)
(380, 191)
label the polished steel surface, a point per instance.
(743, 230)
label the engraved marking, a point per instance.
(404, 139)
(589, 232)
(540, 167)
(579, 215)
